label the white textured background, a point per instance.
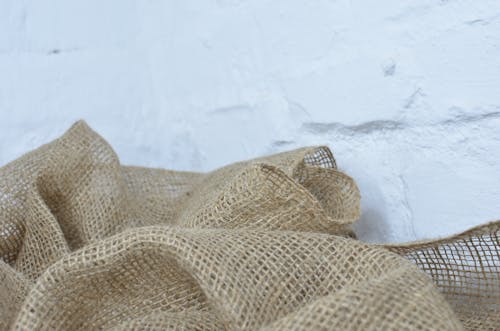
(406, 93)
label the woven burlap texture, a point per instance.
(265, 244)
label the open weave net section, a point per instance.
(265, 244)
(466, 269)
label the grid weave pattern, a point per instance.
(466, 269)
(264, 244)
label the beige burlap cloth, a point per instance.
(266, 244)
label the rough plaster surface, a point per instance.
(406, 93)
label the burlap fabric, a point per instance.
(265, 244)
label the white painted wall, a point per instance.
(406, 93)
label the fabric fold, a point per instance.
(264, 244)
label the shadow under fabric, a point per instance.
(265, 244)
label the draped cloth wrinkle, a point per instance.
(266, 244)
